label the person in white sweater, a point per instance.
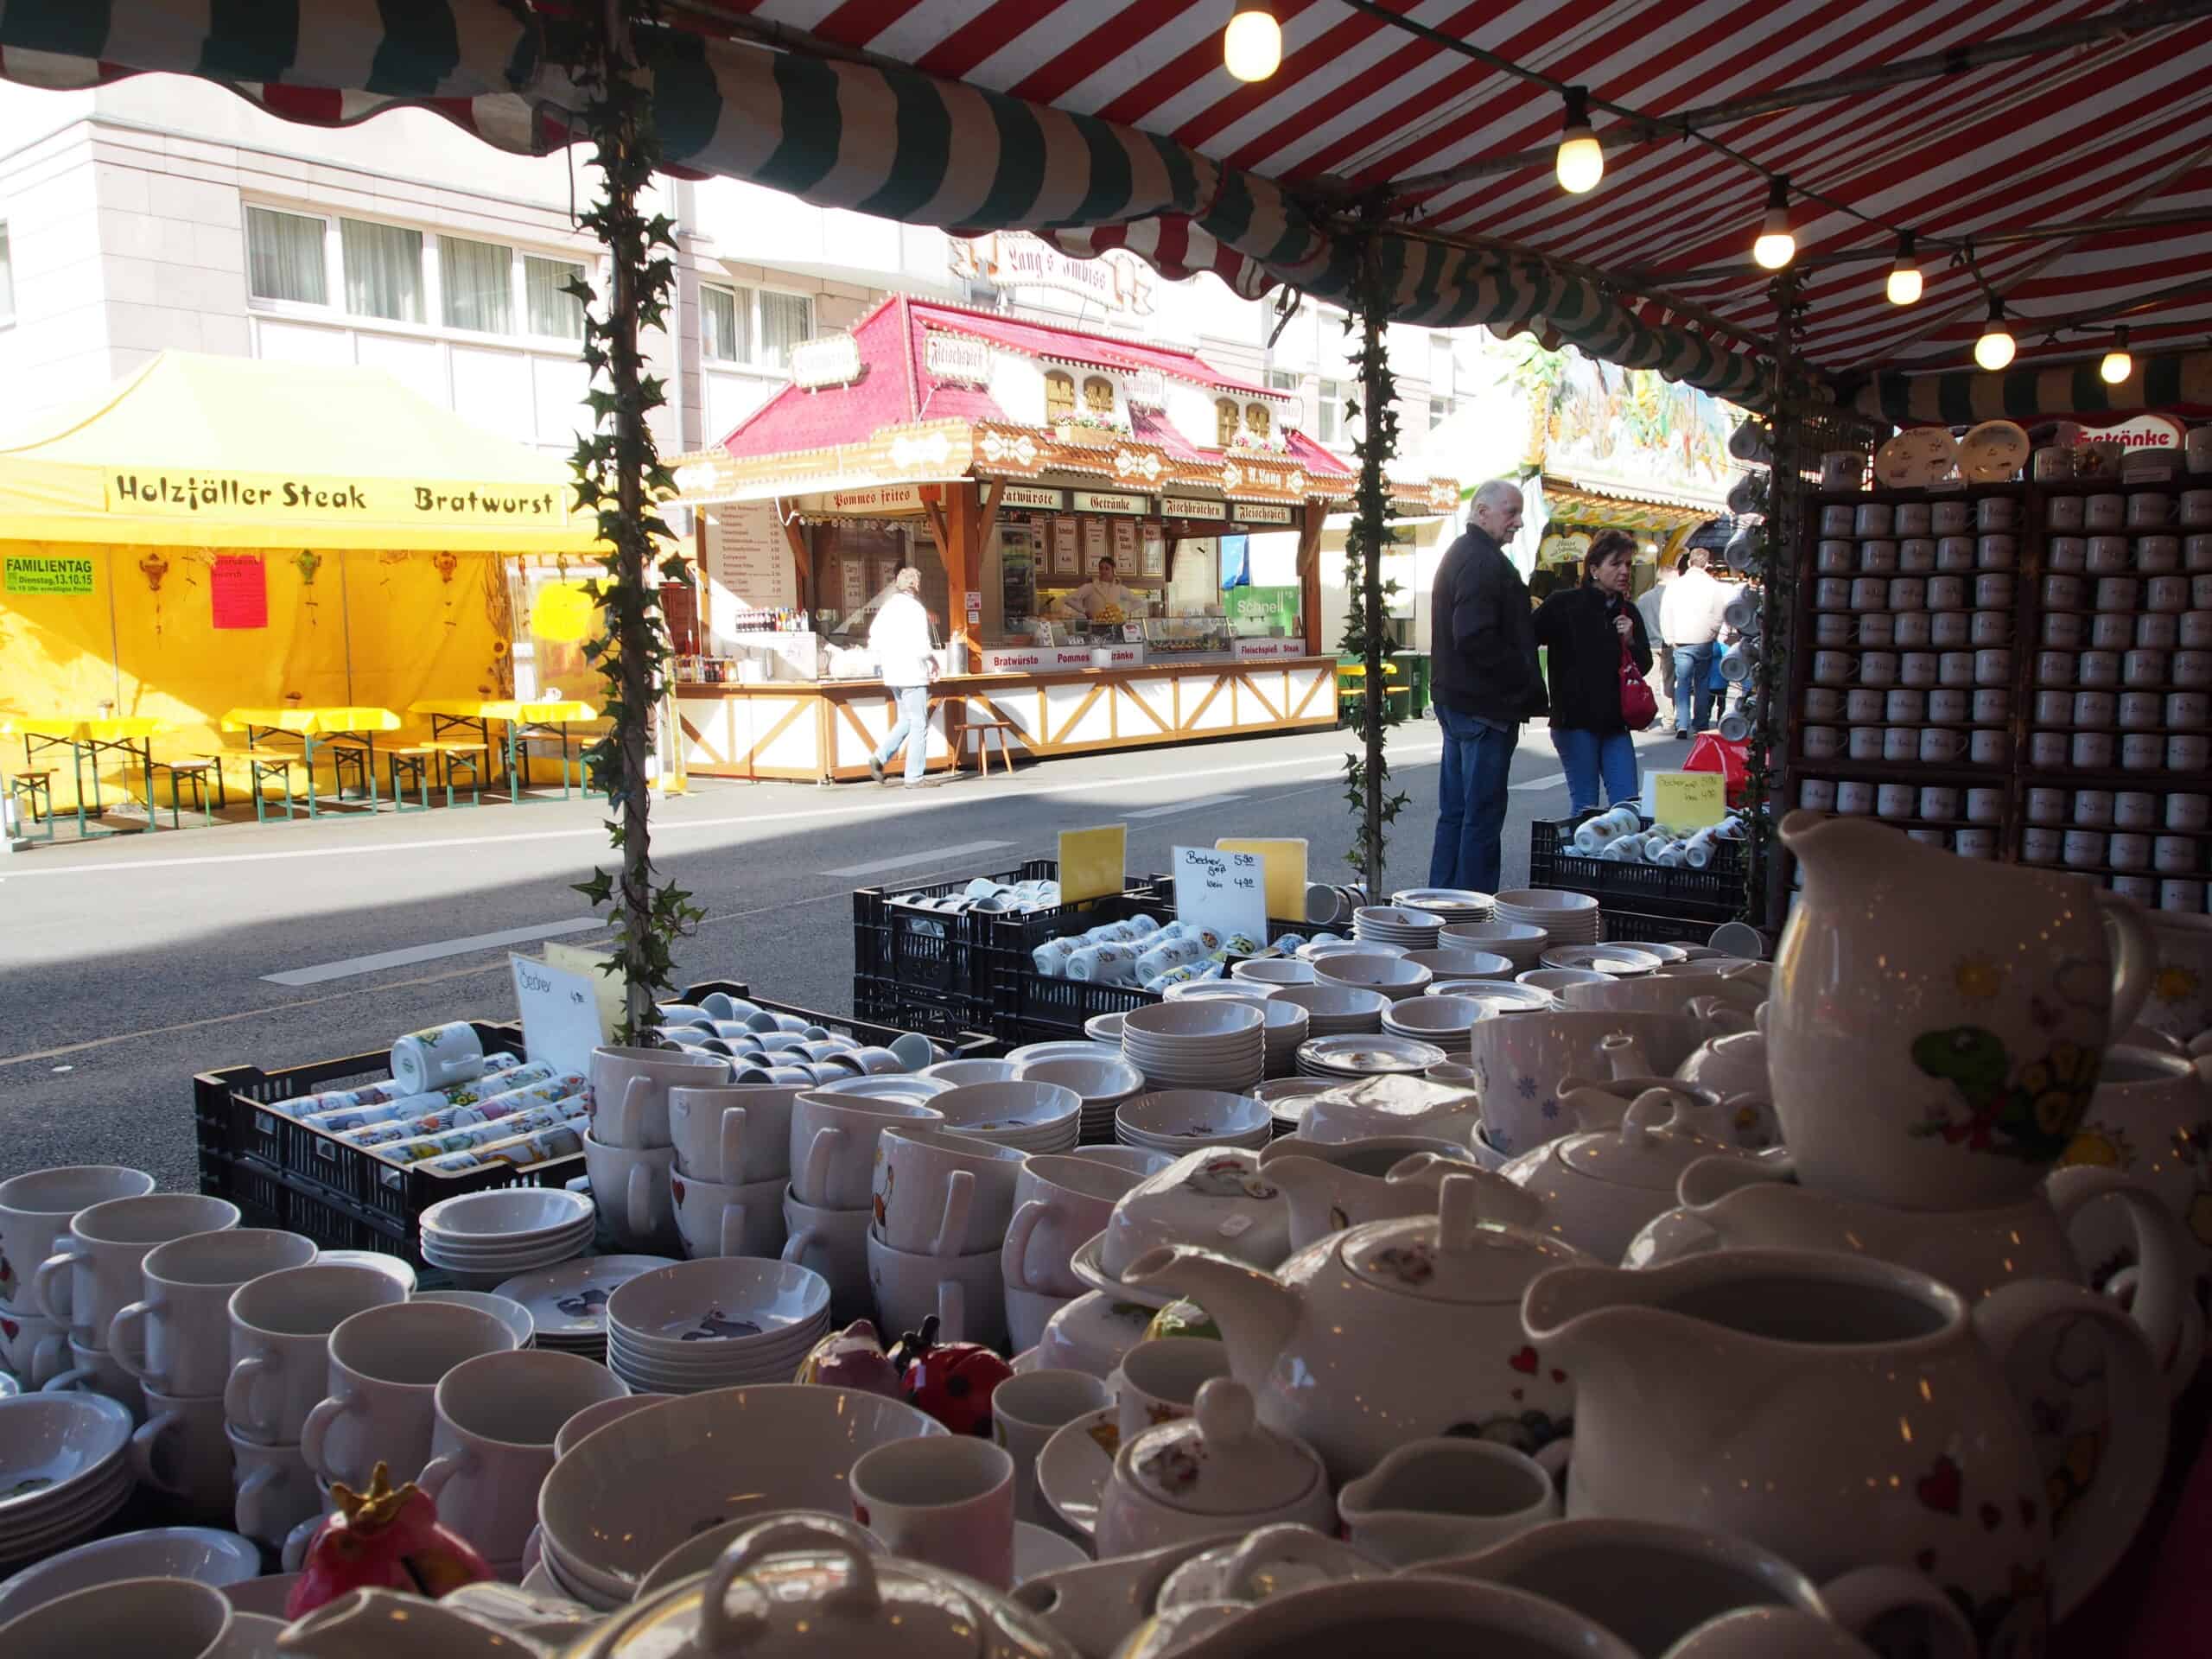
(899, 636)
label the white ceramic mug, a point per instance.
(2139, 751)
(1865, 742)
(35, 1209)
(1817, 794)
(947, 1500)
(2194, 629)
(1854, 798)
(1939, 802)
(2098, 668)
(1949, 627)
(1913, 628)
(1956, 668)
(1992, 705)
(2085, 848)
(2149, 510)
(95, 1371)
(1026, 1410)
(2067, 553)
(181, 1452)
(272, 1489)
(437, 1057)
(2189, 753)
(1822, 743)
(965, 1292)
(2113, 631)
(2174, 854)
(2185, 811)
(1940, 745)
(630, 1089)
(2092, 808)
(384, 1367)
(1060, 1203)
(1895, 800)
(937, 1192)
(1990, 628)
(834, 1243)
(1974, 843)
(1949, 517)
(33, 1347)
(1954, 553)
(1832, 629)
(2092, 751)
(2134, 809)
(2145, 667)
(2093, 710)
(1867, 594)
(1878, 668)
(279, 1331)
(2192, 668)
(2137, 711)
(2047, 750)
(714, 1219)
(630, 1190)
(1873, 518)
(1835, 557)
(1875, 629)
(2039, 845)
(2063, 630)
(1430, 1499)
(496, 1418)
(93, 1272)
(177, 1338)
(1989, 747)
(833, 1144)
(2155, 555)
(2119, 594)
(736, 1135)
(2056, 668)
(2181, 894)
(2102, 512)
(1158, 1380)
(1946, 594)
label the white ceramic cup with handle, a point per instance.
(717, 1220)
(181, 1452)
(937, 1192)
(1060, 1201)
(386, 1365)
(1433, 1498)
(272, 1489)
(833, 1144)
(280, 1326)
(732, 1134)
(630, 1187)
(1041, 1403)
(35, 1209)
(629, 1088)
(93, 1274)
(1157, 1381)
(947, 1500)
(964, 1292)
(177, 1338)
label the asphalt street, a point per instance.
(128, 964)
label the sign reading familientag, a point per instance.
(25, 573)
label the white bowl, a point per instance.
(59, 1439)
(1432, 1016)
(1104, 1028)
(1183, 1021)
(1547, 898)
(1500, 995)
(961, 1073)
(1064, 1048)
(1273, 971)
(509, 1311)
(1395, 919)
(1395, 976)
(1507, 938)
(654, 1312)
(1554, 979)
(1328, 1002)
(1447, 962)
(1316, 953)
(1193, 1117)
(1618, 961)
(507, 1214)
(625, 1496)
(199, 1554)
(1093, 1080)
(912, 1086)
(1022, 1103)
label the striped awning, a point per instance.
(2070, 178)
(1566, 502)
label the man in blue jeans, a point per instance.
(1691, 616)
(1484, 681)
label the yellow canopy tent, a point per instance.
(216, 532)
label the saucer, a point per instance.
(1075, 1465)
(1084, 1265)
(568, 1303)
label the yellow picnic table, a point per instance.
(89, 736)
(521, 716)
(318, 722)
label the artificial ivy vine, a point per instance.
(619, 477)
(1367, 769)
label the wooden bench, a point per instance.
(195, 771)
(33, 793)
(262, 765)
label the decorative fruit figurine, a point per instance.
(1182, 1319)
(383, 1539)
(852, 1358)
(952, 1382)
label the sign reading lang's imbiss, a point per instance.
(277, 497)
(30, 573)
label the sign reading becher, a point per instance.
(279, 496)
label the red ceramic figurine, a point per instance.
(383, 1539)
(852, 1358)
(953, 1382)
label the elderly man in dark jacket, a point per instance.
(1485, 680)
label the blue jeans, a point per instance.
(1692, 685)
(912, 729)
(1470, 802)
(1586, 756)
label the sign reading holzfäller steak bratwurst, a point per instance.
(276, 497)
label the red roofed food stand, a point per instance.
(1003, 458)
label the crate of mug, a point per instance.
(1628, 927)
(269, 1198)
(1714, 892)
(868, 1029)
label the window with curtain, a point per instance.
(1227, 417)
(551, 313)
(7, 277)
(384, 269)
(1098, 396)
(284, 257)
(786, 320)
(1332, 412)
(725, 327)
(476, 285)
(1261, 419)
(1060, 395)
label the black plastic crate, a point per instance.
(887, 1002)
(1039, 1010)
(861, 1026)
(1714, 894)
(1628, 926)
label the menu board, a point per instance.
(1067, 559)
(855, 580)
(1095, 543)
(1155, 554)
(1017, 573)
(748, 562)
(1125, 544)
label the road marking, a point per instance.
(1183, 806)
(1552, 782)
(413, 954)
(936, 855)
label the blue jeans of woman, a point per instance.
(912, 729)
(1587, 757)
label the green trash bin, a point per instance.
(1414, 665)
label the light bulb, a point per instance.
(1995, 347)
(1904, 288)
(1581, 158)
(2118, 365)
(1776, 246)
(1251, 47)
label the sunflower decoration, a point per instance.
(2057, 1087)
(2100, 1149)
(1977, 976)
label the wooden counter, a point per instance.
(823, 732)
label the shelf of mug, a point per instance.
(1967, 488)
(1970, 773)
(2064, 868)
(2159, 780)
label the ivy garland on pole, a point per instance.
(619, 477)
(1367, 769)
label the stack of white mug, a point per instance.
(630, 1150)
(828, 1207)
(35, 1210)
(733, 1145)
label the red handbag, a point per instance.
(1639, 707)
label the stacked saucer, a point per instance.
(718, 1322)
(1287, 1023)
(1029, 1113)
(1286, 1098)
(1182, 1119)
(1336, 1010)
(1452, 904)
(1347, 1059)
(1621, 960)
(1199, 1043)
(1444, 1020)
(1517, 942)
(1568, 918)
(568, 1303)
(1394, 925)
(485, 1238)
(63, 1471)
(1395, 976)
(1101, 1085)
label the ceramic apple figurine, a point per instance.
(852, 1358)
(953, 1382)
(386, 1538)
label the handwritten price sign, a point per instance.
(1224, 891)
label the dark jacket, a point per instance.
(1482, 634)
(1575, 627)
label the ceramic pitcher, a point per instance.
(1845, 1413)
(1937, 1023)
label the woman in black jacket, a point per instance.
(1582, 629)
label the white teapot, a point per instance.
(1599, 1189)
(1389, 1333)
(1217, 1468)
(1335, 1184)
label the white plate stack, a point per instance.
(1415, 930)
(1101, 1083)
(63, 1471)
(1452, 904)
(1286, 1098)
(1336, 1010)
(1568, 918)
(1178, 1121)
(720, 1322)
(1347, 1059)
(1443, 1020)
(1519, 943)
(485, 1238)
(1621, 960)
(1287, 1021)
(1203, 1043)
(568, 1303)
(1029, 1113)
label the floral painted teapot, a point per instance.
(1598, 1190)
(1394, 1331)
(1216, 1469)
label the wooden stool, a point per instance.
(29, 790)
(196, 772)
(984, 729)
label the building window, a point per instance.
(476, 285)
(550, 311)
(1098, 396)
(1059, 395)
(1285, 380)
(725, 327)
(1261, 419)
(7, 277)
(384, 271)
(1332, 429)
(1227, 417)
(285, 258)
(747, 325)
(1439, 411)
(786, 320)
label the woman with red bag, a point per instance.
(1598, 655)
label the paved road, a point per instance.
(127, 965)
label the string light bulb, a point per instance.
(1251, 47)
(2118, 364)
(1993, 351)
(1581, 158)
(1904, 288)
(1776, 247)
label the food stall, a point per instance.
(1003, 459)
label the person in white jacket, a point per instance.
(899, 636)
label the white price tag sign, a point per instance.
(1226, 892)
(561, 1021)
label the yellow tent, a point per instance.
(220, 532)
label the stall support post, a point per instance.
(963, 560)
(1309, 574)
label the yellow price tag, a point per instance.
(1284, 861)
(1092, 861)
(606, 987)
(1689, 800)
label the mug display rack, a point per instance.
(2019, 671)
